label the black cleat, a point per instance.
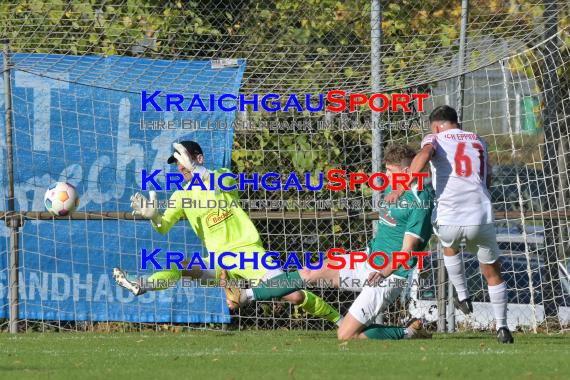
(504, 336)
(465, 306)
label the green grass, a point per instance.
(278, 355)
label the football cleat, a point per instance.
(416, 330)
(505, 336)
(132, 286)
(466, 306)
(235, 297)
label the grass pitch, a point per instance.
(278, 355)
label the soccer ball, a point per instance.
(61, 198)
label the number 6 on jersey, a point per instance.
(463, 165)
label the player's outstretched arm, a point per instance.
(409, 244)
(171, 216)
(418, 164)
(148, 209)
(421, 160)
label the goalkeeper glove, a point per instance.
(182, 156)
(141, 207)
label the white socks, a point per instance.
(454, 266)
(498, 296)
(497, 293)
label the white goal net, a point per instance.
(77, 70)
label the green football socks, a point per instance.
(384, 332)
(312, 304)
(265, 293)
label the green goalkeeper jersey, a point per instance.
(220, 229)
(398, 220)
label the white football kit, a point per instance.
(463, 208)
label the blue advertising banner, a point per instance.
(78, 120)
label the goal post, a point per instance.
(95, 136)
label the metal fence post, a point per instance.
(552, 201)
(12, 221)
(450, 315)
(440, 290)
(461, 61)
(376, 78)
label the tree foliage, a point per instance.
(310, 46)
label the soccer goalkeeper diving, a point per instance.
(220, 230)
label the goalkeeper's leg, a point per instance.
(307, 301)
(160, 280)
(314, 305)
(237, 297)
(311, 303)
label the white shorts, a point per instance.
(372, 300)
(352, 279)
(480, 239)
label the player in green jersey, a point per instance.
(219, 229)
(402, 227)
